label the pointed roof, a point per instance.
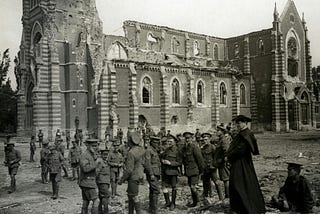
(290, 4)
(275, 12)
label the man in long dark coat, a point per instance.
(245, 193)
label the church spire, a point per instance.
(275, 13)
(303, 20)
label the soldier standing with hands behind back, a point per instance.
(194, 165)
(12, 159)
(87, 181)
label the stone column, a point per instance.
(235, 98)
(103, 102)
(215, 104)
(133, 100)
(190, 96)
(114, 98)
(164, 98)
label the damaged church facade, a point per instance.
(68, 70)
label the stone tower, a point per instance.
(59, 64)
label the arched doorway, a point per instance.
(29, 108)
(304, 108)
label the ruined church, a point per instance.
(71, 75)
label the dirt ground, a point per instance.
(34, 197)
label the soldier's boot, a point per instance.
(137, 207)
(113, 189)
(173, 199)
(226, 189)
(100, 205)
(219, 191)
(151, 206)
(167, 199)
(84, 210)
(130, 205)
(94, 210)
(53, 189)
(12, 185)
(155, 203)
(105, 209)
(65, 171)
(195, 199)
(57, 191)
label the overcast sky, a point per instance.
(219, 18)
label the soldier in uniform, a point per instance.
(171, 160)
(152, 155)
(12, 159)
(223, 166)
(210, 172)
(103, 181)
(40, 137)
(133, 171)
(295, 195)
(115, 161)
(32, 148)
(120, 135)
(74, 159)
(68, 138)
(60, 148)
(44, 154)
(55, 162)
(87, 181)
(193, 163)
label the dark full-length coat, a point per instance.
(245, 194)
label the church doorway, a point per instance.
(291, 114)
(304, 113)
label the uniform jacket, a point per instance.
(55, 162)
(60, 148)
(192, 159)
(244, 189)
(87, 170)
(103, 172)
(32, 146)
(74, 154)
(40, 137)
(173, 155)
(208, 152)
(298, 194)
(221, 150)
(12, 158)
(44, 154)
(154, 161)
(135, 164)
(115, 160)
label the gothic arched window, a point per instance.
(260, 47)
(216, 52)
(292, 48)
(146, 90)
(175, 45)
(223, 94)
(37, 44)
(242, 94)
(200, 92)
(236, 51)
(175, 87)
(196, 48)
(116, 51)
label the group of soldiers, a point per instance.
(217, 157)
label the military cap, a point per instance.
(136, 138)
(116, 142)
(104, 150)
(220, 127)
(91, 141)
(154, 139)
(241, 118)
(206, 134)
(172, 137)
(52, 147)
(163, 139)
(294, 165)
(185, 134)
